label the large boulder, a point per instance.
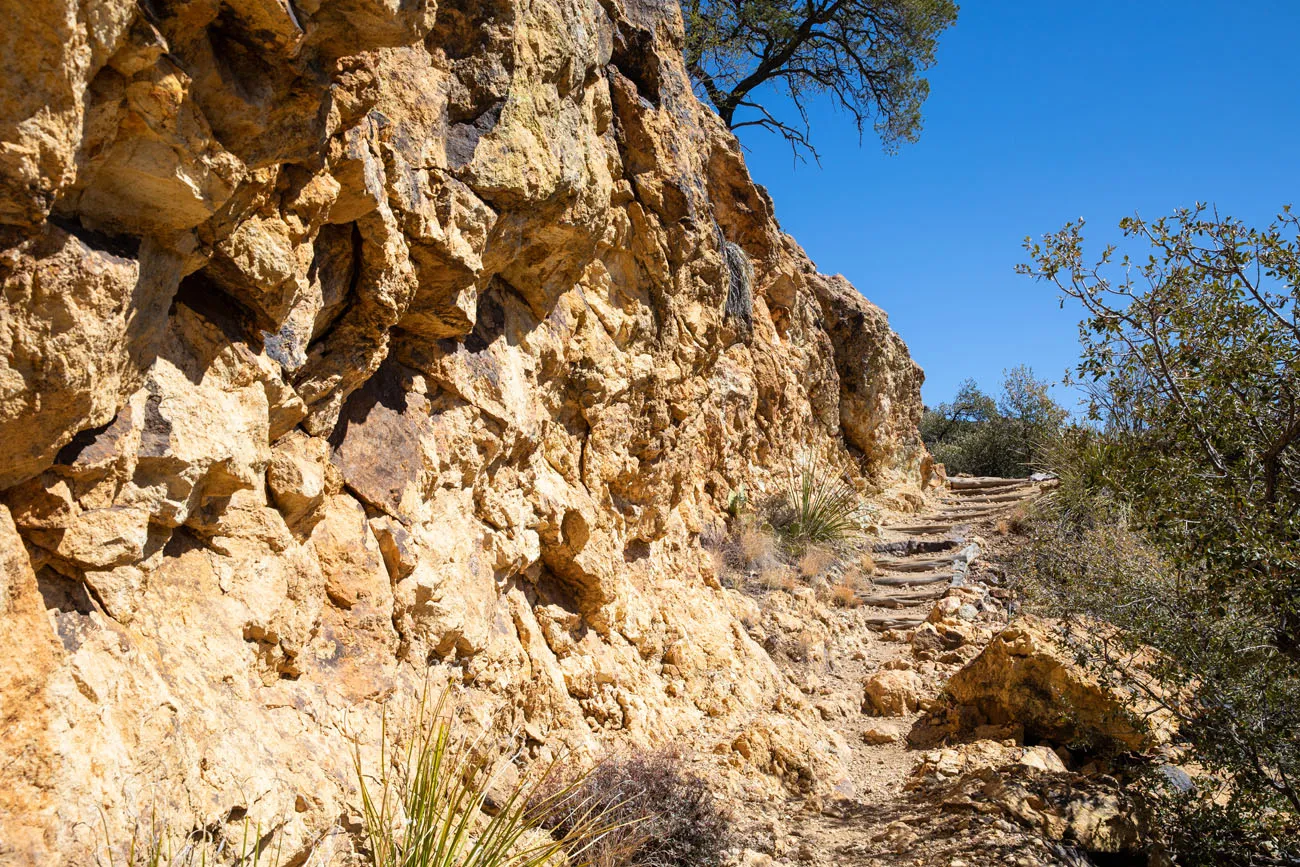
(1028, 677)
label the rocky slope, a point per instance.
(350, 342)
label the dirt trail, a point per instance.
(875, 820)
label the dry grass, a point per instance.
(663, 816)
(847, 591)
(815, 561)
(867, 563)
(1016, 523)
(755, 550)
(746, 556)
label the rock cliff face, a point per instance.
(350, 342)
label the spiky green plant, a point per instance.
(425, 806)
(818, 506)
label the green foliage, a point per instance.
(665, 818)
(817, 506)
(737, 501)
(1210, 829)
(156, 843)
(981, 436)
(425, 807)
(867, 55)
(1178, 515)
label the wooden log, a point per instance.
(900, 600)
(986, 483)
(917, 580)
(880, 624)
(899, 564)
(923, 529)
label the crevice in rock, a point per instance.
(634, 56)
(64, 594)
(123, 247)
(201, 294)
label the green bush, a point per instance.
(980, 436)
(1178, 514)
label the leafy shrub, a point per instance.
(424, 805)
(978, 435)
(1206, 829)
(662, 817)
(1178, 516)
(817, 506)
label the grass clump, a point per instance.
(662, 816)
(817, 507)
(847, 591)
(425, 806)
(156, 842)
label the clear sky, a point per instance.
(1039, 113)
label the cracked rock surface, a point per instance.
(345, 343)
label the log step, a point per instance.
(880, 624)
(928, 565)
(986, 483)
(976, 498)
(912, 580)
(913, 547)
(923, 529)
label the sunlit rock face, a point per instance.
(352, 342)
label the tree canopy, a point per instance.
(1178, 516)
(867, 55)
(977, 434)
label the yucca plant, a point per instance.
(425, 806)
(818, 506)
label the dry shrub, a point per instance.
(754, 549)
(664, 817)
(867, 563)
(815, 561)
(846, 592)
(747, 556)
(1015, 523)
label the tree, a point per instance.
(868, 55)
(980, 435)
(1178, 517)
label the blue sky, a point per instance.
(1041, 113)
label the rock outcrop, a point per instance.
(350, 343)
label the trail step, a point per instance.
(971, 514)
(912, 547)
(880, 624)
(923, 529)
(977, 498)
(927, 565)
(986, 483)
(912, 580)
